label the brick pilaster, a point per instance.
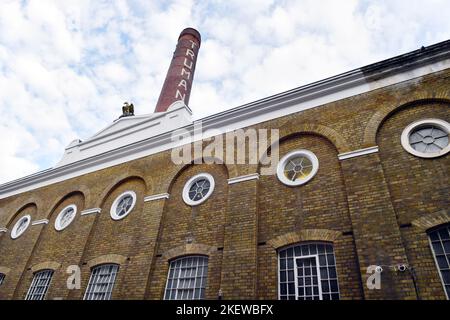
(376, 231)
(239, 268)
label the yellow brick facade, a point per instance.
(374, 209)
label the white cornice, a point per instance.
(358, 153)
(38, 222)
(90, 211)
(248, 177)
(112, 147)
(157, 197)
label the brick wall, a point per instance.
(372, 208)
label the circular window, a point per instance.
(427, 138)
(198, 189)
(297, 168)
(20, 226)
(65, 217)
(123, 205)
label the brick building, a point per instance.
(362, 181)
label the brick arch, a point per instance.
(69, 194)
(231, 171)
(52, 265)
(378, 118)
(303, 236)
(127, 176)
(107, 258)
(432, 220)
(30, 202)
(188, 249)
(4, 270)
(339, 142)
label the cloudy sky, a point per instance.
(67, 66)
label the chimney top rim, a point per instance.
(193, 32)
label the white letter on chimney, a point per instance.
(183, 72)
(185, 64)
(183, 84)
(179, 95)
(190, 53)
(193, 44)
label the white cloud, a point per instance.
(66, 67)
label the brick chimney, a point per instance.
(178, 83)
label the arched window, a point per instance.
(101, 282)
(440, 244)
(39, 285)
(187, 278)
(308, 272)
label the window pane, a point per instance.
(442, 262)
(444, 234)
(446, 246)
(446, 277)
(438, 248)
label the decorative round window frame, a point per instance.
(441, 124)
(116, 202)
(58, 225)
(14, 233)
(190, 183)
(295, 154)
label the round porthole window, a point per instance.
(297, 168)
(198, 189)
(20, 226)
(427, 138)
(65, 217)
(123, 205)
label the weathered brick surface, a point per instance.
(377, 235)
(374, 209)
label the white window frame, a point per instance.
(177, 289)
(441, 124)
(316, 256)
(14, 233)
(92, 288)
(113, 211)
(58, 219)
(319, 283)
(193, 180)
(41, 279)
(294, 154)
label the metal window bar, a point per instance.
(187, 278)
(39, 285)
(2, 278)
(101, 282)
(440, 246)
(294, 285)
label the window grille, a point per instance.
(187, 278)
(101, 282)
(39, 285)
(308, 272)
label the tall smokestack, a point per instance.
(178, 83)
